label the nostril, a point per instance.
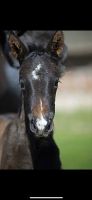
(49, 126)
(33, 123)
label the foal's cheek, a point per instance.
(27, 98)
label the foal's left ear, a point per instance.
(56, 44)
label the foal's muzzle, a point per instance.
(42, 126)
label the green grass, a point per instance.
(73, 134)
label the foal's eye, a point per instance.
(56, 84)
(22, 84)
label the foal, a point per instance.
(28, 141)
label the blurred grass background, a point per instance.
(73, 119)
(73, 134)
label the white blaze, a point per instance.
(41, 122)
(34, 72)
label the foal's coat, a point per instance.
(28, 141)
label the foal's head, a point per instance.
(40, 70)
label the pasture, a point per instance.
(73, 134)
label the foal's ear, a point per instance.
(56, 44)
(17, 48)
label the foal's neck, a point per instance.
(23, 139)
(44, 151)
(22, 110)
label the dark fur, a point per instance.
(45, 153)
(16, 152)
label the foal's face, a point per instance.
(39, 78)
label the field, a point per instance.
(73, 134)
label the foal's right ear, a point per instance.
(17, 48)
(12, 47)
